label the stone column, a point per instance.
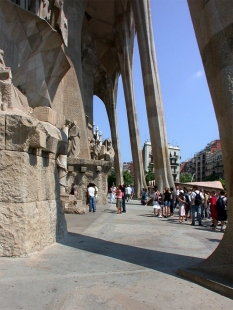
(153, 96)
(213, 25)
(125, 32)
(106, 89)
(112, 116)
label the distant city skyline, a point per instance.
(189, 114)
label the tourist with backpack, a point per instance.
(196, 200)
(221, 208)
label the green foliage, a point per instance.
(112, 178)
(127, 177)
(223, 183)
(215, 177)
(185, 177)
(149, 174)
(212, 177)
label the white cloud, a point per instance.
(198, 74)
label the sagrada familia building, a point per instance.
(55, 55)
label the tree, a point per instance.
(127, 177)
(185, 177)
(215, 177)
(149, 174)
(112, 178)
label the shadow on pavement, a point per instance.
(161, 261)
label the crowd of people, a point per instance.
(121, 194)
(192, 203)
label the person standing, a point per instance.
(156, 205)
(114, 191)
(123, 198)
(119, 195)
(196, 199)
(128, 192)
(177, 195)
(182, 203)
(111, 194)
(213, 210)
(221, 208)
(173, 197)
(91, 195)
(132, 191)
(167, 201)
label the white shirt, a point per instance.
(91, 191)
(128, 190)
(193, 195)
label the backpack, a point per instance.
(198, 199)
(187, 198)
(220, 205)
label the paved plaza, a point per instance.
(114, 261)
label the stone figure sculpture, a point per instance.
(107, 151)
(5, 84)
(74, 141)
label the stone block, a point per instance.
(70, 168)
(38, 140)
(19, 128)
(29, 227)
(2, 132)
(45, 114)
(51, 144)
(83, 169)
(27, 177)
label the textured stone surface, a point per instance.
(29, 227)
(26, 177)
(2, 132)
(45, 114)
(213, 25)
(91, 175)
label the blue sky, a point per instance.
(189, 113)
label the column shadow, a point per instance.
(164, 262)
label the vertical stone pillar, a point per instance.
(112, 116)
(213, 25)
(106, 90)
(125, 32)
(154, 106)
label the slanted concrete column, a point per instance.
(213, 25)
(125, 33)
(112, 116)
(106, 90)
(154, 106)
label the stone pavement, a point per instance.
(113, 261)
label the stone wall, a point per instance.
(31, 215)
(82, 172)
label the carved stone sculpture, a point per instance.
(107, 151)
(74, 141)
(5, 84)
